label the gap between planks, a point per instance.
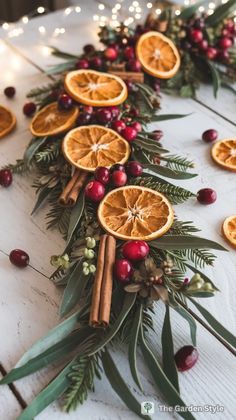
(14, 389)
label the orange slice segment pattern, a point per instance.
(7, 121)
(95, 88)
(50, 121)
(158, 55)
(229, 230)
(135, 212)
(88, 147)
(224, 153)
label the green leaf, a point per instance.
(53, 337)
(185, 242)
(151, 169)
(129, 301)
(191, 321)
(168, 360)
(60, 68)
(220, 13)
(42, 197)
(75, 217)
(219, 328)
(54, 353)
(119, 385)
(149, 145)
(62, 54)
(74, 290)
(162, 382)
(165, 117)
(133, 345)
(215, 77)
(32, 148)
(186, 91)
(188, 12)
(49, 394)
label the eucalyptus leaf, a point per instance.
(119, 385)
(188, 12)
(185, 242)
(219, 328)
(151, 169)
(187, 91)
(192, 323)
(60, 68)
(75, 217)
(215, 77)
(42, 197)
(74, 290)
(33, 147)
(220, 13)
(166, 117)
(133, 343)
(149, 145)
(62, 54)
(168, 360)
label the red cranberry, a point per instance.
(118, 125)
(54, 94)
(103, 116)
(230, 25)
(29, 109)
(82, 64)
(225, 32)
(134, 168)
(225, 43)
(83, 118)
(5, 178)
(115, 112)
(19, 258)
(94, 191)
(223, 55)
(123, 270)
(157, 135)
(130, 86)
(211, 53)
(203, 45)
(129, 133)
(87, 109)
(186, 357)
(117, 167)
(156, 86)
(135, 250)
(196, 35)
(137, 126)
(134, 65)
(129, 53)
(134, 112)
(9, 91)
(64, 102)
(102, 174)
(111, 54)
(95, 63)
(206, 196)
(209, 135)
(114, 45)
(88, 49)
(119, 178)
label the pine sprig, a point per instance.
(20, 167)
(177, 163)
(43, 90)
(49, 154)
(182, 228)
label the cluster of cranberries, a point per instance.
(116, 176)
(132, 252)
(196, 39)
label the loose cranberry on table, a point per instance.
(123, 270)
(134, 168)
(111, 54)
(157, 135)
(95, 63)
(117, 167)
(209, 135)
(89, 48)
(19, 258)
(82, 64)
(186, 358)
(9, 91)
(206, 196)
(118, 178)
(196, 35)
(211, 53)
(29, 109)
(103, 115)
(94, 191)
(118, 125)
(135, 250)
(102, 174)
(64, 102)
(5, 178)
(134, 65)
(129, 134)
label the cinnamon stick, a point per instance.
(102, 288)
(129, 75)
(71, 192)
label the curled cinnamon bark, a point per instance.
(71, 192)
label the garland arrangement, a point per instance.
(106, 178)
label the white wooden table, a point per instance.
(29, 301)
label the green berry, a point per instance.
(92, 268)
(85, 264)
(208, 287)
(89, 253)
(86, 271)
(90, 242)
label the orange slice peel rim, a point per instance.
(12, 123)
(227, 233)
(224, 150)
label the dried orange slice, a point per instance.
(88, 147)
(158, 55)
(50, 121)
(134, 212)
(95, 88)
(229, 230)
(224, 153)
(7, 121)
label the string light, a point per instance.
(158, 11)
(101, 6)
(78, 9)
(25, 19)
(149, 5)
(41, 10)
(201, 9)
(137, 16)
(5, 26)
(95, 18)
(131, 9)
(68, 11)
(135, 3)
(42, 30)
(177, 12)
(211, 5)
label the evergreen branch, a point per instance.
(182, 228)
(49, 154)
(177, 163)
(20, 167)
(44, 90)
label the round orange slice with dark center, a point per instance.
(95, 88)
(7, 121)
(88, 147)
(158, 55)
(224, 153)
(134, 212)
(229, 230)
(50, 121)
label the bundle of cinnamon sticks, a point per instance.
(71, 191)
(102, 288)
